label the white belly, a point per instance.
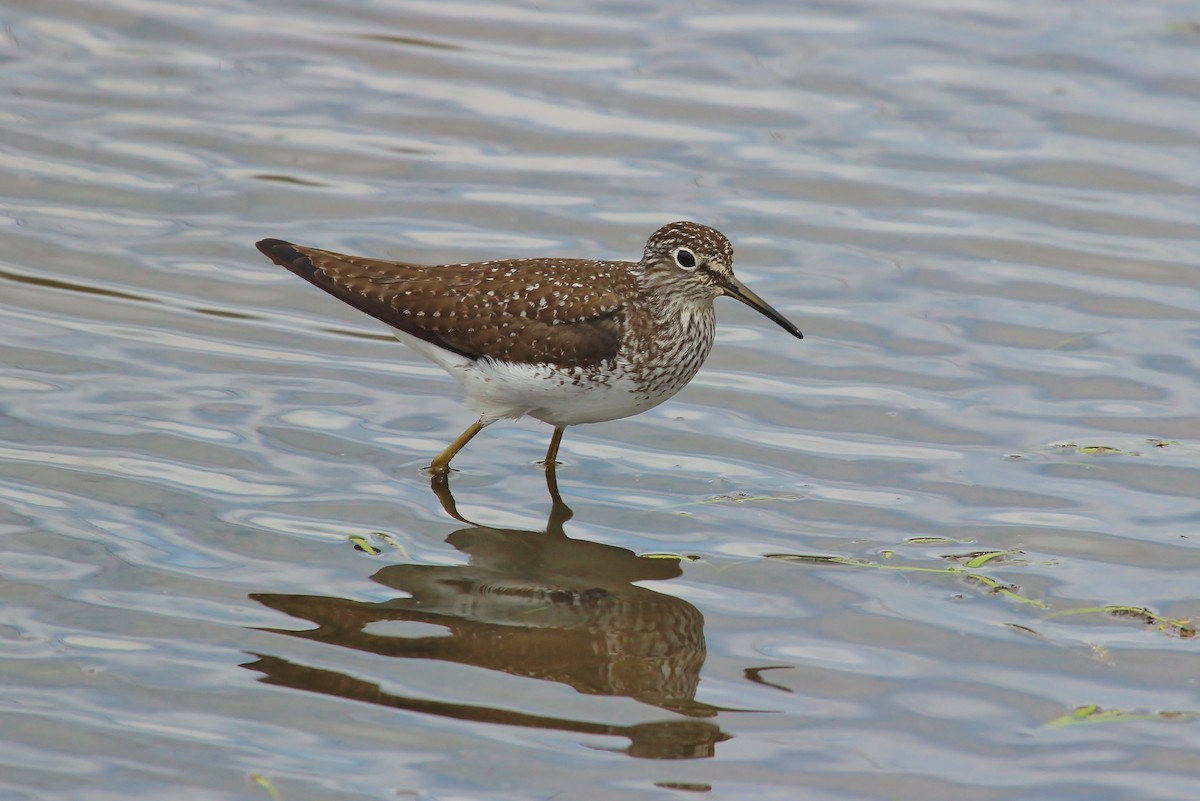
(498, 390)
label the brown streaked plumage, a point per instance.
(566, 341)
(509, 310)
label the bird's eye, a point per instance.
(685, 258)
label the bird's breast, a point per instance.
(662, 358)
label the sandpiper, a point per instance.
(565, 341)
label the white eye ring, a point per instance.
(685, 258)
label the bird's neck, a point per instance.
(680, 316)
(687, 313)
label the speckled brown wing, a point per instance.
(566, 312)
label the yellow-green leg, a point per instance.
(552, 451)
(560, 512)
(440, 465)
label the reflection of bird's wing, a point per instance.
(566, 312)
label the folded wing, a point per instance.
(565, 312)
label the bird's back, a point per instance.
(563, 312)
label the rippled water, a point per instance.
(944, 548)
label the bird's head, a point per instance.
(696, 262)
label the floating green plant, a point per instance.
(1180, 627)
(937, 541)
(686, 557)
(967, 571)
(1093, 450)
(361, 543)
(265, 783)
(1091, 713)
(978, 559)
(993, 585)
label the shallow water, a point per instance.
(901, 559)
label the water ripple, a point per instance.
(940, 548)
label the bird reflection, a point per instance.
(536, 604)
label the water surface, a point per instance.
(944, 548)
